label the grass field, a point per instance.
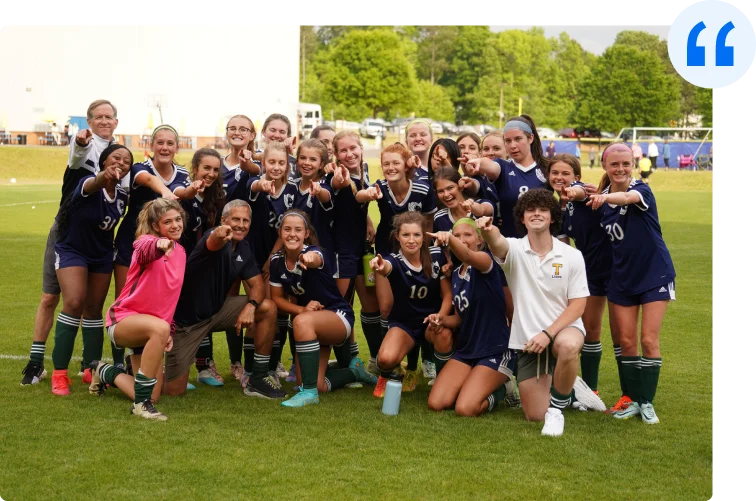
(219, 444)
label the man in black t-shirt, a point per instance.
(219, 259)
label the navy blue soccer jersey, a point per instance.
(640, 259)
(419, 198)
(234, 181)
(583, 224)
(420, 174)
(91, 220)
(196, 223)
(416, 295)
(321, 214)
(267, 212)
(350, 219)
(311, 284)
(513, 181)
(479, 302)
(443, 220)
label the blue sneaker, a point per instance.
(303, 398)
(190, 386)
(363, 376)
(207, 377)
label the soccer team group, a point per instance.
(472, 272)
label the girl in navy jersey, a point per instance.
(326, 134)
(455, 205)
(277, 128)
(142, 316)
(238, 165)
(419, 137)
(419, 289)
(472, 381)
(642, 276)
(84, 260)
(351, 230)
(202, 211)
(583, 225)
(315, 196)
(322, 317)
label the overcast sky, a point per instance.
(592, 38)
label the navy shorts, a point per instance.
(660, 293)
(504, 363)
(124, 243)
(348, 266)
(65, 257)
(598, 286)
(416, 333)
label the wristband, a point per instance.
(551, 339)
(253, 303)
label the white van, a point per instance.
(312, 116)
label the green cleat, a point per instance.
(633, 409)
(363, 376)
(303, 398)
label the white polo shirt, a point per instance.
(541, 289)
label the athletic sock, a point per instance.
(354, 349)
(441, 359)
(412, 357)
(343, 355)
(204, 353)
(371, 326)
(384, 329)
(260, 366)
(278, 343)
(308, 357)
(497, 396)
(119, 354)
(618, 359)
(292, 342)
(66, 328)
(426, 351)
(631, 372)
(235, 345)
(590, 359)
(385, 373)
(649, 378)
(558, 400)
(249, 353)
(37, 353)
(143, 387)
(338, 378)
(92, 333)
(108, 373)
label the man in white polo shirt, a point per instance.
(549, 287)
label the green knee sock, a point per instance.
(92, 333)
(371, 326)
(37, 353)
(558, 400)
(497, 396)
(249, 354)
(649, 378)
(108, 373)
(143, 387)
(338, 378)
(260, 365)
(278, 343)
(308, 357)
(343, 355)
(590, 359)
(441, 359)
(119, 354)
(235, 345)
(618, 359)
(412, 357)
(631, 371)
(66, 328)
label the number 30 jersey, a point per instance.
(479, 302)
(416, 295)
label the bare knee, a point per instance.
(161, 332)
(650, 346)
(386, 360)
(568, 346)
(49, 301)
(436, 403)
(322, 387)
(267, 309)
(467, 408)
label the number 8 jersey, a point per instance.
(641, 260)
(479, 302)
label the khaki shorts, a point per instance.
(50, 283)
(186, 341)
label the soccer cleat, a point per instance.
(61, 382)
(372, 367)
(553, 425)
(237, 371)
(621, 405)
(292, 377)
(303, 398)
(409, 383)
(632, 409)
(190, 386)
(363, 376)
(513, 394)
(147, 411)
(281, 370)
(96, 387)
(380, 387)
(276, 380)
(263, 388)
(429, 370)
(86, 376)
(648, 413)
(586, 397)
(206, 376)
(33, 373)
(214, 370)
(245, 378)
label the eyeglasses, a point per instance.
(243, 130)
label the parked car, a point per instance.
(372, 128)
(484, 129)
(546, 133)
(450, 128)
(437, 128)
(568, 132)
(607, 135)
(398, 124)
(466, 129)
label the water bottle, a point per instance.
(369, 273)
(391, 397)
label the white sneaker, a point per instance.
(429, 369)
(281, 370)
(585, 396)
(648, 414)
(148, 411)
(553, 425)
(372, 366)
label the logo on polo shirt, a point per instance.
(511, 173)
(557, 267)
(239, 259)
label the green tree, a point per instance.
(627, 88)
(704, 104)
(368, 71)
(308, 48)
(435, 45)
(432, 102)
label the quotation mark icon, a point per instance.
(724, 54)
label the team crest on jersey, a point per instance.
(570, 208)
(557, 267)
(237, 174)
(540, 175)
(415, 206)
(120, 206)
(623, 210)
(289, 201)
(309, 201)
(409, 273)
(435, 269)
(511, 173)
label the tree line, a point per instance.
(467, 74)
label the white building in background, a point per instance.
(198, 75)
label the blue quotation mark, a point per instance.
(725, 55)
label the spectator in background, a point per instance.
(55, 134)
(637, 153)
(67, 134)
(577, 150)
(666, 153)
(551, 150)
(645, 168)
(592, 156)
(711, 155)
(653, 153)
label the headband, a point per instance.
(110, 149)
(615, 147)
(294, 213)
(467, 220)
(517, 125)
(418, 121)
(164, 127)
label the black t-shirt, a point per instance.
(208, 278)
